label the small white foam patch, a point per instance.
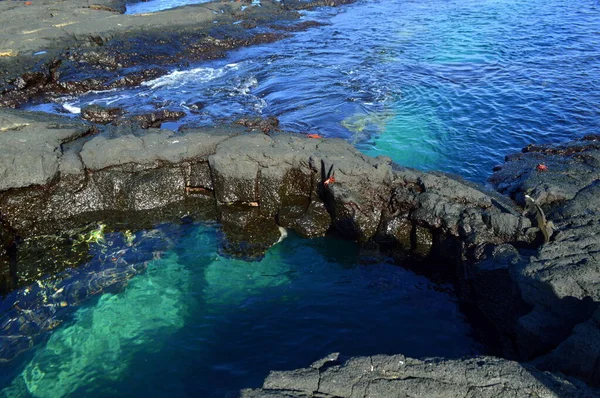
(180, 78)
(72, 108)
(283, 234)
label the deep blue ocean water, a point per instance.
(452, 85)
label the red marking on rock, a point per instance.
(330, 180)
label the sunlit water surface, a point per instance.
(434, 84)
(158, 5)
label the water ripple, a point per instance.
(454, 85)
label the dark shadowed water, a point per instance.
(452, 85)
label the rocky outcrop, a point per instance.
(52, 48)
(549, 294)
(266, 178)
(398, 376)
(540, 296)
(31, 145)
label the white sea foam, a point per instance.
(181, 78)
(71, 107)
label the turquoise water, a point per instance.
(452, 85)
(194, 323)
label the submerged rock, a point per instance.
(99, 114)
(28, 315)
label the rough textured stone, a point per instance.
(100, 114)
(539, 298)
(31, 146)
(163, 146)
(579, 354)
(554, 288)
(315, 221)
(399, 376)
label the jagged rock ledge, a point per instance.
(56, 171)
(542, 297)
(385, 376)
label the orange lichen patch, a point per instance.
(28, 3)
(313, 136)
(7, 53)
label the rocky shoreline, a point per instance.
(535, 279)
(81, 46)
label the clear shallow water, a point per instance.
(435, 84)
(198, 324)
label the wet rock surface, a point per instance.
(540, 297)
(101, 115)
(277, 176)
(399, 376)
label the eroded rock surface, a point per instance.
(31, 147)
(542, 297)
(552, 291)
(274, 177)
(398, 376)
(61, 47)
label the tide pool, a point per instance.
(195, 323)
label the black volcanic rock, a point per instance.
(100, 114)
(382, 376)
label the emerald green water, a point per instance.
(194, 323)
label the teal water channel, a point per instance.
(195, 323)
